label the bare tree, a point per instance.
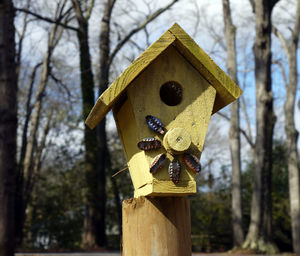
(94, 230)
(94, 224)
(8, 126)
(102, 152)
(234, 137)
(27, 156)
(290, 49)
(259, 235)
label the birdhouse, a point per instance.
(162, 104)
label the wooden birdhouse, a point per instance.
(162, 104)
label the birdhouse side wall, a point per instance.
(136, 160)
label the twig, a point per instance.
(118, 172)
(240, 129)
(49, 20)
(135, 30)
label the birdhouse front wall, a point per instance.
(192, 113)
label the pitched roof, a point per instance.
(227, 90)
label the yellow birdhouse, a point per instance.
(162, 104)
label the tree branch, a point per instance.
(296, 30)
(49, 20)
(91, 7)
(242, 131)
(279, 63)
(60, 82)
(140, 27)
(252, 3)
(21, 38)
(283, 42)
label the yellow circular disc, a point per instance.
(177, 139)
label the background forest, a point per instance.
(57, 176)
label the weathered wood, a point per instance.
(177, 140)
(227, 90)
(157, 226)
(109, 97)
(192, 114)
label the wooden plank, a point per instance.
(192, 113)
(137, 163)
(114, 91)
(227, 90)
(69, 254)
(157, 226)
(167, 188)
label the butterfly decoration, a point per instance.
(160, 160)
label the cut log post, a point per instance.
(158, 226)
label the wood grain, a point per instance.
(192, 114)
(158, 226)
(177, 140)
(205, 88)
(114, 91)
(136, 160)
(227, 90)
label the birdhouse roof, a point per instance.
(227, 90)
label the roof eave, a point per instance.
(227, 90)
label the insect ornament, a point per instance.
(149, 144)
(174, 170)
(155, 124)
(162, 104)
(179, 143)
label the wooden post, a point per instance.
(157, 226)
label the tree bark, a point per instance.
(25, 181)
(8, 126)
(259, 236)
(89, 238)
(234, 136)
(19, 173)
(290, 48)
(99, 208)
(293, 157)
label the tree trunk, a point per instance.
(8, 126)
(25, 183)
(290, 129)
(234, 137)
(101, 132)
(19, 173)
(89, 238)
(259, 236)
(291, 143)
(293, 159)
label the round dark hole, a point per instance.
(171, 93)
